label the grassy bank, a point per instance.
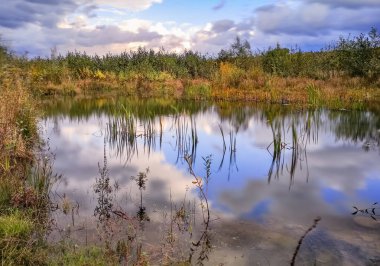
(343, 74)
(24, 179)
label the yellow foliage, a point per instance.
(164, 76)
(227, 69)
(37, 73)
(230, 75)
(85, 73)
(99, 75)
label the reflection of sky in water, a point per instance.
(337, 174)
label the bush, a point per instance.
(277, 61)
(230, 75)
(360, 56)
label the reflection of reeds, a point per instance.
(224, 147)
(186, 138)
(278, 146)
(300, 137)
(123, 133)
(231, 150)
(141, 180)
(204, 241)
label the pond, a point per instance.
(281, 184)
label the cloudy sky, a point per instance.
(101, 26)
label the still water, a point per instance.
(267, 173)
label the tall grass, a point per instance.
(277, 74)
(17, 120)
(25, 175)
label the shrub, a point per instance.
(230, 75)
(360, 56)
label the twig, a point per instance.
(292, 263)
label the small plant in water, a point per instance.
(207, 164)
(372, 211)
(141, 180)
(103, 189)
(204, 242)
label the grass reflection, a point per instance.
(293, 128)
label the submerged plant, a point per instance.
(103, 189)
(141, 180)
(372, 211)
(204, 241)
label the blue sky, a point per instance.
(102, 26)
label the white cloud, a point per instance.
(349, 3)
(101, 26)
(74, 21)
(134, 5)
(317, 18)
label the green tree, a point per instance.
(238, 53)
(276, 61)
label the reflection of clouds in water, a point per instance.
(339, 173)
(344, 169)
(258, 132)
(341, 168)
(338, 167)
(241, 201)
(78, 155)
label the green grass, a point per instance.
(15, 225)
(82, 256)
(196, 91)
(5, 194)
(314, 95)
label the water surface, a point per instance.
(274, 170)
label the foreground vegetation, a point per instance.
(24, 177)
(345, 75)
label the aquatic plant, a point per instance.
(204, 240)
(103, 189)
(141, 180)
(372, 211)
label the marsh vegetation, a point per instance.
(345, 73)
(202, 143)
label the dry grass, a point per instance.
(232, 84)
(21, 212)
(18, 123)
(337, 92)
